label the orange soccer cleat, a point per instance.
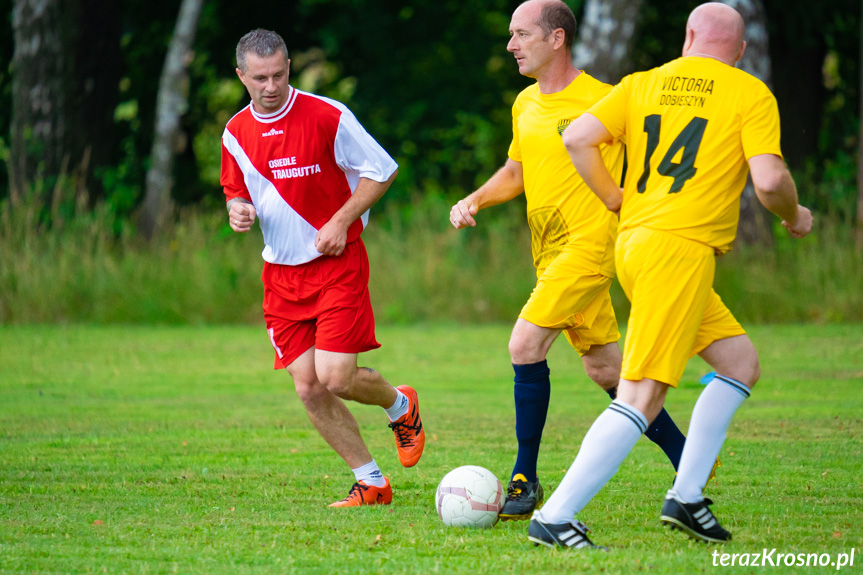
(410, 437)
(364, 494)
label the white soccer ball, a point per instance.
(469, 496)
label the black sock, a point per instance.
(532, 391)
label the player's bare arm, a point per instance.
(241, 214)
(777, 192)
(582, 139)
(332, 237)
(504, 185)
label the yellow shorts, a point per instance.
(571, 297)
(675, 312)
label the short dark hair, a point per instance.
(262, 43)
(558, 15)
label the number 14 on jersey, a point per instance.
(689, 140)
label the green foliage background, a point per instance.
(431, 79)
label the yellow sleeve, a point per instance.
(514, 152)
(760, 132)
(611, 110)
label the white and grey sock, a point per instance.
(606, 444)
(711, 417)
(370, 474)
(399, 408)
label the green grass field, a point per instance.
(178, 449)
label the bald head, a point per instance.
(716, 30)
(551, 15)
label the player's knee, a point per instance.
(514, 349)
(606, 376)
(746, 370)
(523, 351)
(308, 389)
(337, 381)
(754, 372)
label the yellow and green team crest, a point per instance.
(562, 124)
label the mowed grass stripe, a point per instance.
(163, 449)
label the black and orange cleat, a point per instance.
(364, 494)
(410, 436)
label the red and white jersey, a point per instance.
(299, 166)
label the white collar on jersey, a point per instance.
(280, 113)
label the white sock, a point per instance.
(711, 417)
(370, 474)
(606, 444)
(399, 408)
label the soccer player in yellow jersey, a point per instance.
(693, 129)
(572, 236)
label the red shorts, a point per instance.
(324, 303)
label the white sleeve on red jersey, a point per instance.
(358, 154)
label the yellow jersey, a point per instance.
(561, 209)
(689, 127)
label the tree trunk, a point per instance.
(606, 38)
(65, 72)
(38, 98)
(171, 104)
(756, 223)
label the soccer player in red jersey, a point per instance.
(306, 170)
